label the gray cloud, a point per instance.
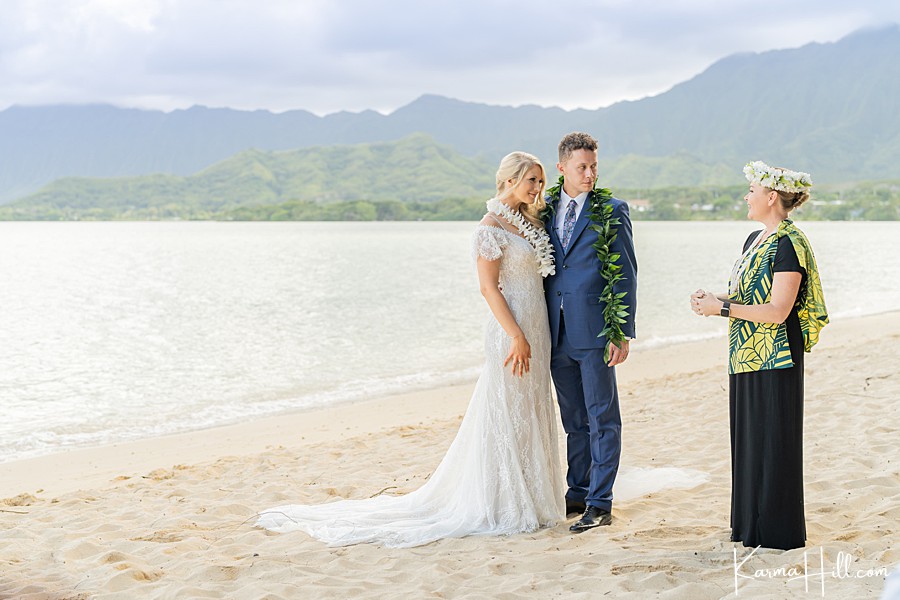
(329, 55)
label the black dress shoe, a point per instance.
(574, 507)
(593, 517)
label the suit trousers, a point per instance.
(589, 409)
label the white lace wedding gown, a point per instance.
(502, 473)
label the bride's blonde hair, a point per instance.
(514, 166)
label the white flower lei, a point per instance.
(538, 238)
(773, 178)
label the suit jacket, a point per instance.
(578, 284)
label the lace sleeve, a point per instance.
(488, 242)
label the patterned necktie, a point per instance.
(568, 224)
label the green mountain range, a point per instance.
(415, 169)
(412, 179)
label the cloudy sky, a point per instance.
(331, 55)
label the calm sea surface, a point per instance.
(116, 331)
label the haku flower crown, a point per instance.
(774, 178)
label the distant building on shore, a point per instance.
(639, 205)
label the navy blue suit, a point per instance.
(585, 386)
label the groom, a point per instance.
(586, 381)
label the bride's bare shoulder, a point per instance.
(492, 220)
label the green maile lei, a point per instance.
(604, 224)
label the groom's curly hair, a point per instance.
(576, 140)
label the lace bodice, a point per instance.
(519, 274)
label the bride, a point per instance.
(502, 472)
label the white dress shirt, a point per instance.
(563, 206)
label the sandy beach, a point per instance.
(172, 517)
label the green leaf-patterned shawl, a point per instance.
(763, 346)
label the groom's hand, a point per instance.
(617, 354)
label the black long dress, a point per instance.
(766, 412)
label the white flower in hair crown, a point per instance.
(538, 238)
(774, 178)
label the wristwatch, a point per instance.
(726, 309)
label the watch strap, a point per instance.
(726, 309)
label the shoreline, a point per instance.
(72, 469)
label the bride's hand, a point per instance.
(520, 355)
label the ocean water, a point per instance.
(117, 331)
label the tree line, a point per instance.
(875, 201)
